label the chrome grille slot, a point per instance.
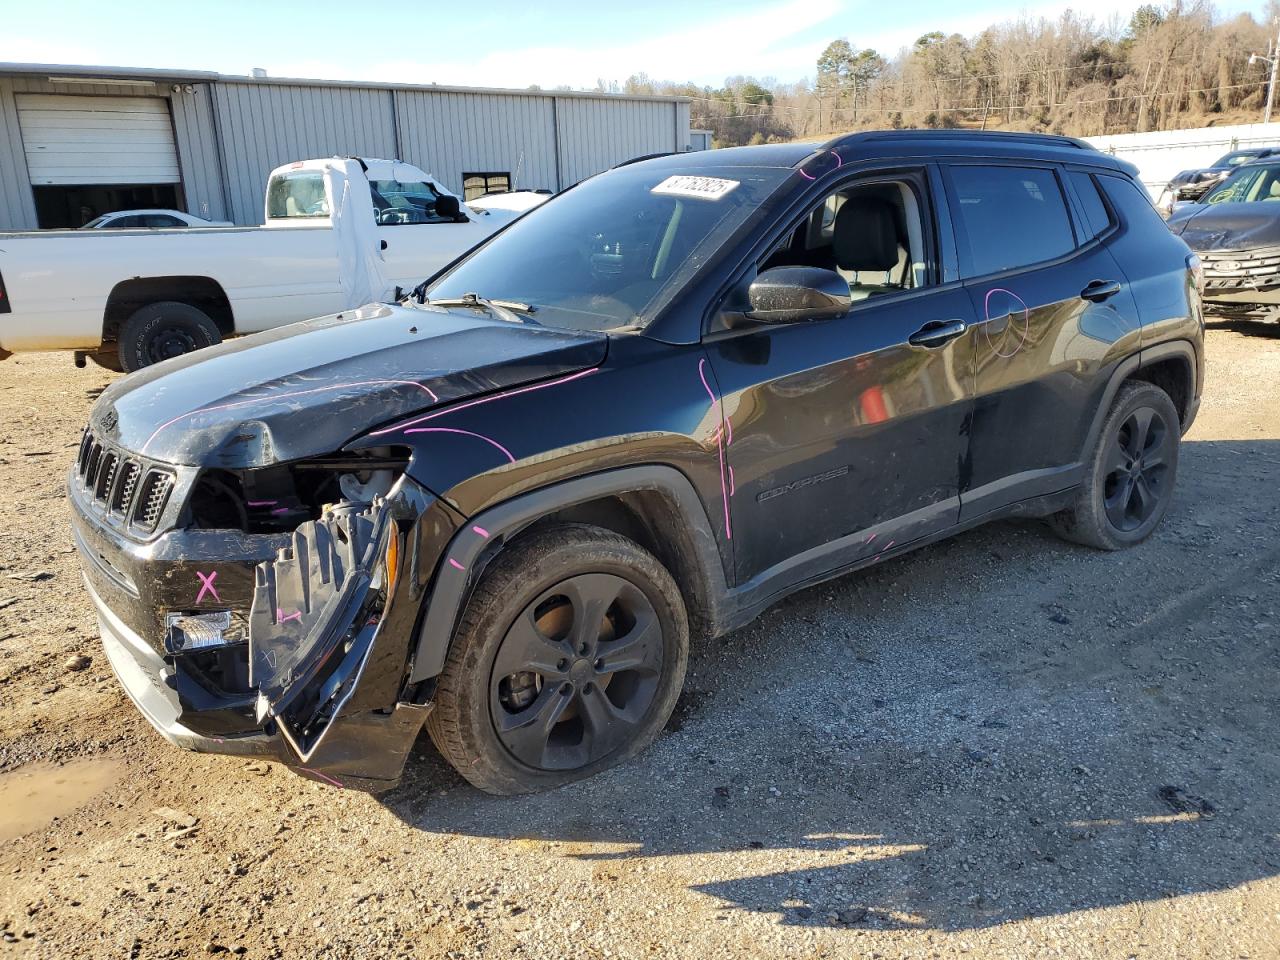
(126, 486)
(91, 467)
(82, 458)
(151, 499)
(106, 475)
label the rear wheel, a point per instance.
(160, 331)
(1129, 484)
(568, 660)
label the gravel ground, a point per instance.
(1001, 746)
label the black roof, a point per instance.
(915, 144)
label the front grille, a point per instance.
(1241, 267)
(126, 488)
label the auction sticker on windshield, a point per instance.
(700, 188)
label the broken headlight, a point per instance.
(281, 497)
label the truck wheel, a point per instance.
(163, 330)
(568, 659)
(1129, 479)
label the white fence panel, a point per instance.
(1161, 154)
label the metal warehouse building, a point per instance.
(79, 141)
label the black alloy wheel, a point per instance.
(1129, 474)
(576, 673)
(1137, 468)
(567, 660)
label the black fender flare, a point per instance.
(1127, 367)
(463, 560)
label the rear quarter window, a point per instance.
(1096, 218)
(1008, 217)
(1132, 203)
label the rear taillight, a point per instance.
(1196, 269)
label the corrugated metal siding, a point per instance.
(262, 126)
(17, 207)
(597, 134)
(198, 153)
(448, 134)
(682, 126)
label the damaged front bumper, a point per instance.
(313, 670)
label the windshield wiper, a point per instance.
(503, 309)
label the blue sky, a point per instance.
(498, 43)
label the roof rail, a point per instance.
(925, 133)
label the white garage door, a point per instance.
(99, 140)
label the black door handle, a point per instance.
(937, 332)
(1100, 290)
(383, 245)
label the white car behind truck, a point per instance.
(338, 233)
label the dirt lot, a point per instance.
(1001, 746)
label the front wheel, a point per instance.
(568, 660)
(1130, 476)
(160, 331)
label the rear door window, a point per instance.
(1008, 217)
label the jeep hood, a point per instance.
(309, 388)
(1228, 226)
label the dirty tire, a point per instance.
(544, 581)
(160, 331)
(1130, 473)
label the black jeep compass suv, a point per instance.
(647, 409)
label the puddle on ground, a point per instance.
(33, 794)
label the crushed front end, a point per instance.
(268, 612)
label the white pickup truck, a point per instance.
(338, 233)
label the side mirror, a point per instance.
(447, 206)
(797, 295)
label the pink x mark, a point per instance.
(206, 586)
(281, 618)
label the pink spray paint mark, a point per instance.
(466, 433)
(333, 781)
(477, 402)
(281, 396)
(481, 531)
(279, 510)
(732, 487)
(805, 175)
(1000, 350)
(724, 487)
(870, 538)
(281, 618)
(261, 503)
(206, 586)
(455, 564)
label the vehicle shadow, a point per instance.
(999, 727)
(1249, 328)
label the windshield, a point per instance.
(1237, 158)
(608, 253)
(1247, 185)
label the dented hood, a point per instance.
(1228, 226)
(309, 388)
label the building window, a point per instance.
(475, 185)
